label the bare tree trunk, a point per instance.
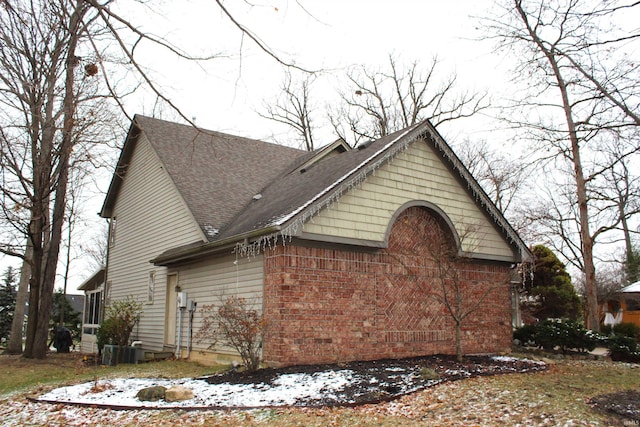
(14, 345)
(46, 261)
(66, 275)
(593, 321)
(35, 279)
(459, 353)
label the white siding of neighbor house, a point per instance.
(151, 217)
(417, 173)
(209, 281)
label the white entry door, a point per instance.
(171, 311)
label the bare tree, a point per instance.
(378, 102)
(14, 344)
(40, 73)
(572, 73)
(96, 247)
(451, 283)
(501, 177)
(73, 219)
(55, 68)
(294, 108)
(616, 193)
(441, 270)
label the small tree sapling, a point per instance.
(235, 324)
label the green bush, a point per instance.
(116, 328)
(111, 331)
(525, 334)
(625, 329)
(563, 334)
(622, 343)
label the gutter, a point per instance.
(209, 248)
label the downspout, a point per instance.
(192, 310)
(178, 348)
(103, 305)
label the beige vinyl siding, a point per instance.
(208, 281)
(151, 218)
(417, 173)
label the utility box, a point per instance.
(182, 300)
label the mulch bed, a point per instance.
(382, 380)
(625, 404)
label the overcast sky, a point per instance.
(224, 94)
(330, 35)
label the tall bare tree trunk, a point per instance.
(14, 345)
(586, 240)
(35, 235)
(46, 256)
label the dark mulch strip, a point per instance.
(379, 380)
(624, 403)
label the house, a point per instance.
(624, 307)
(333, 245)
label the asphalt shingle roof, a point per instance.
(237, 186)
(216, 174)
(289, 192)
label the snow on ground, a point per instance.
(285, 390)
(330, 386)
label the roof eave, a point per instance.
(211, 248)
(118, 174)
(525, 255)
(91, 281)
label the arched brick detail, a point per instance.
(410, 320)
(331, 304)
(437, 217)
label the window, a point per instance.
(107, 291)
(151, 286)
(633, 304)
(112, 231)
(92, 308)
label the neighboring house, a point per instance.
(624, 307)
(332, 245)
(93, 289)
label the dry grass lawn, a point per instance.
(557, 397)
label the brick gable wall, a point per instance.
(334, 304)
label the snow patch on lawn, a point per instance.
(285, 390)
(354, 383)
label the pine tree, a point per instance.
(632, 265)
(7, 301)
(72, 318)
(551, 294)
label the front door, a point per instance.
(170, 312)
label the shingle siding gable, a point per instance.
(365, 213)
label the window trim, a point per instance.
(92, 312)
